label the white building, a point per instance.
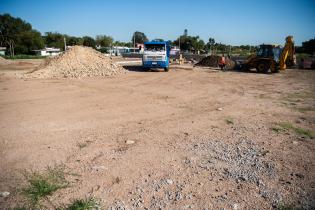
(48, 51)
(117, 50)
(2, 50)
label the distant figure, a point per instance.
(222, 62)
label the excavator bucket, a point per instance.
(287, 52)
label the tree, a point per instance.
(104, 41)
(139, 37)
(88, 41)
(123, 44)
(18, 35)
(210, 44)
(72, 40)
(309, 46)
(190, 43)
(55, 39)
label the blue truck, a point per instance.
(156, 55)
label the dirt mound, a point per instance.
(4, 61)
(76, 63)
(213, 61)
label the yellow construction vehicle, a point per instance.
(271, 57)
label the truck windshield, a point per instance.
(155, 47)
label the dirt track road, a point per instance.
(197, 139)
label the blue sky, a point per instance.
(228, 21)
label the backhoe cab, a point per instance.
(271, 57)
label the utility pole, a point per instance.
(134, 42)
(64, 40)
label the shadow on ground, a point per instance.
(141, 69)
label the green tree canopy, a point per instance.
(139, 37)
(18, 35)
(104, 41)
(72, 40)
(123, 44)
(309, 46)
(88, 41)
(55, 39)
(190, 43)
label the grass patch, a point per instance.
(277, 129)
(297, 96)
(24, 57)
(285, 207)
(82, 145)
(82, 204)
(304, 109)
(229, 121)
(41, 185)
(263, 96)
(285, 126)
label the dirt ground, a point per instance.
(185, 139)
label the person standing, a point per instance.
(222, 62)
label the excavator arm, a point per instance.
(287, 53)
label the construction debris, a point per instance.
(213, 61)
(77, 62)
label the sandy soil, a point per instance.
(196, 139)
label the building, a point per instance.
(117, 50)
(48, 51)
(2, 50)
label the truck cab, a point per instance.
(156, 55)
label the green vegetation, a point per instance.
(297, 96)
(82, 204)
(285, 126)
(41, 185)
(82, 145)
(304, 109)
(18, 36)
(229, 121)
(104, 41)
(285, 207)
(139, 37)
(24, 57)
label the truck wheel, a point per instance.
(166, 69)
(263, 67)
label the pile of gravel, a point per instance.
(242, 161)
(213, 61)
(77, 62)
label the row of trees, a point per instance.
(20, 38)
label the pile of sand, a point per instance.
(4, 61)
(213, 61)
(76, 63)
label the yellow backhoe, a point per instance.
(271, 57)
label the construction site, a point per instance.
(83, 129)
(192, 137)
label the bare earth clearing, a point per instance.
(184, 139)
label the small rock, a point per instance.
(4, 194)
(295, 142)
(235, 206)
(130, 142)
(301, 176)
(169, 181)
(220, 109)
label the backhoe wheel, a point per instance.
(263, 67)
